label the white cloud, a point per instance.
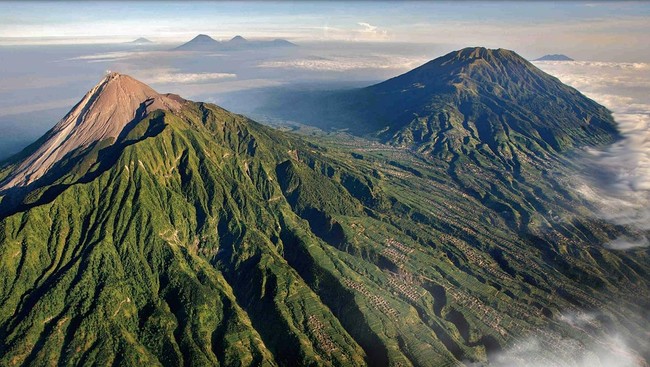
(546, 347)
(18, 83)
(171, 78)
(617, 177)
(361, 31)
(371, 32)
(165, 76)
(558, 65)
(206, 91)
(625, 243)
(367, 27)
(346, 63)
(109, 56)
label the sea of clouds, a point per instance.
(617, 177)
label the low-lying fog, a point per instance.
(617, 177)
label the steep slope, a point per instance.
(200, 237)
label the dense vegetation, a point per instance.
(204, 238)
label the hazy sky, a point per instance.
(611, 30)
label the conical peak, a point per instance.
(474, 53)
(472, 59)
(114, 78)
(482, 53)
(101, 115)
(203, 38)
(238, 39)
(114, 84)
(456, 62)
(117, 76)
(465, 70)
(141, 40)
(112, 75)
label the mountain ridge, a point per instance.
(205, 43)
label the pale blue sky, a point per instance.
(568, 24)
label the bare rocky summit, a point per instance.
(102, 114)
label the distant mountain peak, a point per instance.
(203, 37)
(141, 40)
(205, 43)
(283, 42)
(201, 42)
(554, 57)
(103, 113)
(238, 39)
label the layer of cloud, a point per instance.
(625, 243)
(171, 76)
(189, 78)
(109, 56)
(347, 63)
(617, 177)
(597, 77)
(559, 65)
(601, 346)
